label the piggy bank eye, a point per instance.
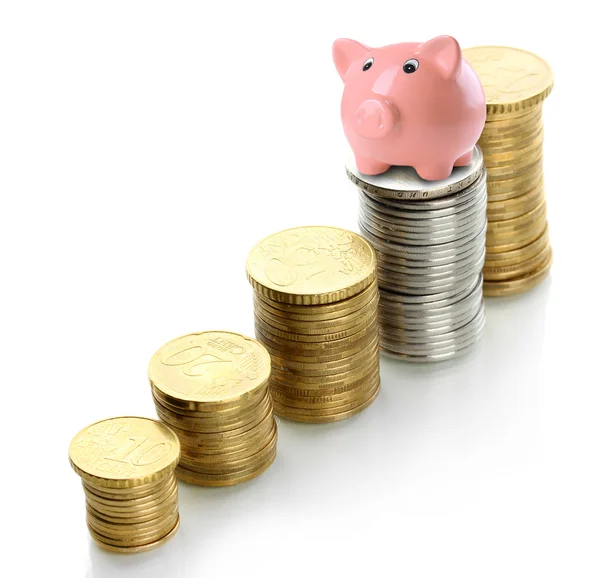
(368, 64)
(410, 66)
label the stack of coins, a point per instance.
(315, 310)
(126, 465)
(516, 83)
(430, 243)
(211, 388)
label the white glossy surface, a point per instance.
(145, 148)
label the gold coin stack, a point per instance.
(211, 388)
(518, 252)
(315, 310)
(126, 466)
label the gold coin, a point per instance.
(209, 367)
(191, 477)
(325, 401)
(231, 466)
(328, 368)
(512, 126)
(311, 265)
(313, 321)
(310, 356)
(350, 322)
(515, 239)
(508, 272)
(136, 549)
(137, 493)
(250, 445)
(497, 229)
(212, 425)
(511, 208)
(291, 379)
(286, 413)
(320, 312)
(110, 517)
(513, 80)
(332, 338)
(124, 452)
(145, 542)
(138, 531)
(508, 258)
(519, 285)
(289, 405)
(513, 187)
(122, 503)
(247, 404)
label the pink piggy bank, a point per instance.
(420, 105)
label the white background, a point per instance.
(145, 147)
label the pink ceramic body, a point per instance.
(429, 119)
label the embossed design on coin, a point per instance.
(212, 366)
(510, 75)
(404, 182)
(127, 449)
(320, 263)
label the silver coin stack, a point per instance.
(430, 242)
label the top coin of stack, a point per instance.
(126, 465)
(518, 252)
(315, 306)
(212, 389)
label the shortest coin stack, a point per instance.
(212, 389)
(126, 465)
(315, 310)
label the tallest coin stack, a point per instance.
(518, 252)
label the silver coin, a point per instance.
(444, 343)
(416, 329)
(403, 317)
(425, 269)
(437, 251)
(436, 335)
(405, 183)
(425, 209)
(436, 237)
(431, 222)
(433, 310)
(416, 262)
(441, 297)
(412, 286)
(450, 353)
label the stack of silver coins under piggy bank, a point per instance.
(430, 242)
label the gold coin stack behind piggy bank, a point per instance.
(211, 388)
(126, 465)
(518, 252)
(315, 310)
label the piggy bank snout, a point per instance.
(374, 119)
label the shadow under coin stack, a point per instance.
(430, 243)
(126, 465)
(315, 308)
(516, 83)
(211, 388)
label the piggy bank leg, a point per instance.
(464, 160)
(370, 166)
(435, 172)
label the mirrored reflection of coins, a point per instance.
(315, 310)
(430, 243)
(211, 388)
(516, 83)
(127, 468)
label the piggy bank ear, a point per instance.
(345, 52)
(445, 53)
